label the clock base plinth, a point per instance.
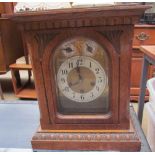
(99, 140)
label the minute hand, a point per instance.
(78, 70)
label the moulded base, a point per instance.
(97, 140)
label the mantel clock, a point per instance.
(81, 59)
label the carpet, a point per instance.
(18, 122)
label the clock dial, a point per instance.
(68, 49)
(89, 48)
(81, 79)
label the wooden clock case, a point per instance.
(111, 27)
(72, 121)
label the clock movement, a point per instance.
(81, 59)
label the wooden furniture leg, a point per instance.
(142, 89)
(1, 92)
(22, 90)
(149, 59)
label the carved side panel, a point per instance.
(42, 39)
(114, 37)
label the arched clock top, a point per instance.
(81, 72)
(110, 38)
(80, 68)
(97, 37)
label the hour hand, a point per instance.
(78, 70)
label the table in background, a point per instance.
(149, 59)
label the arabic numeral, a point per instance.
(73, 95)
(82, 97)
(63, 80)
(90, 64)
(66, 89)
(92, 94)
(100, 79)
(97, 70)
(97, 88)
(79, 62)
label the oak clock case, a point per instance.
(81, 72)
(77, 112)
